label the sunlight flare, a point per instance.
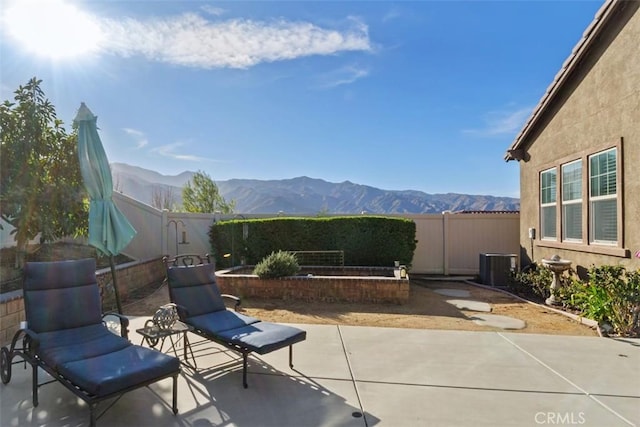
(52, 28)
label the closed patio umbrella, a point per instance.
(109, 230)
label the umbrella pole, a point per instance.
(115, 283)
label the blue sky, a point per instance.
(420, 95)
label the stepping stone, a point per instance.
(497, 321)
(463, 304)
(460, 293)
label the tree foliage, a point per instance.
(41, 188)
(201, 195)
(163, 198)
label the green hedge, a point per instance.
(366, 240)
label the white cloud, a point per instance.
(392, 14)
(212, 10)
(502, 122)
(172, 151)
(343, 76)
(191, 40)
(138, 136)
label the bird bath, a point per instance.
(557, 266)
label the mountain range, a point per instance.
(303, 195)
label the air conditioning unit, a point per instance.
(495, 269)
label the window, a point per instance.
(548, 203)
(603, 197)
(580, 202)
(572, 201)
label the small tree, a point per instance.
(41, 188)
(163, 197)
(201, 195)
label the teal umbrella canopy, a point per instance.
(109, 230)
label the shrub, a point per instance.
(532, 282)
(277, 264)
(569, 294)
(612, 296)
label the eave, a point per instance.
(517, 149)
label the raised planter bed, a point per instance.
(327, 284)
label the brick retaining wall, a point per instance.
(130, 276)
(11, 314)
(317, 288)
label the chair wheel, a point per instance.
(5, 365)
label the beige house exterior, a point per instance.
(579, 151)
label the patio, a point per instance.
(365, 376)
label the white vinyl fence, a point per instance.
(448, 243)
(451, 243)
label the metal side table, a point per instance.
(152, 334)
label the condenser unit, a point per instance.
(495, 269)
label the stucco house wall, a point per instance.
(595, 107)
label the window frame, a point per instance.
(564, 203)
(553, 204)
(592, 199)
(586, 244)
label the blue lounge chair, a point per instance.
(66, 336)
(193, 288)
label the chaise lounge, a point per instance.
(193, 288)
(66, 336)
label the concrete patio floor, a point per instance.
(365, 376)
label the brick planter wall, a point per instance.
(11, 314)
(130, 276)
(317, 288)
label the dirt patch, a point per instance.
(426, 309)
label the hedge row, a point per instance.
(366, 241)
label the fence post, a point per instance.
(164, 241)
(445, 241)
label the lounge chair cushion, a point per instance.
(216, 322)
(195, 288)
(68, 345)
(61, 295)
(114, 372)
(264, 337)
